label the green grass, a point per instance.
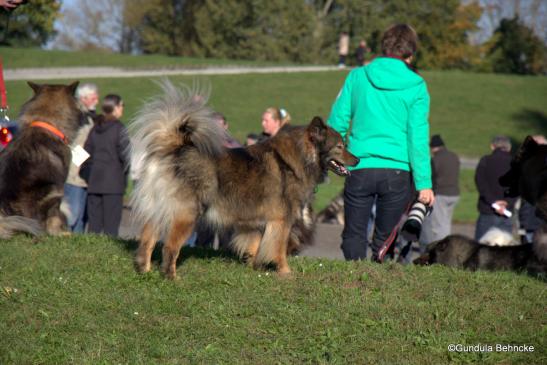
(467, 109)
(78, 300)
(39, 58)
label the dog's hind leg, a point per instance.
(247, 244)
(55, 220)
(273, 246)
(181, 229)
(143, 257)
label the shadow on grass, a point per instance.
(131, 246)
(532, 119)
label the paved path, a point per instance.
(106, 72)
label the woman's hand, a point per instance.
(10, 4)
(427, 197)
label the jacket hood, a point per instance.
(104, 126)
(391, 74)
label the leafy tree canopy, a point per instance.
(30, 24)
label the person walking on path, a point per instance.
(343, 49)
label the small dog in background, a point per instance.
(334, 212)
(34, 166)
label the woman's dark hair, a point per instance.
(110, 102)
(399, 40)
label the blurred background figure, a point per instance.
(107, 168)
(445, 172)
(251, 139)
(343, 49)
(75, 194)
(361, 52)
(229, 141)
(494, 208)
(273, 119)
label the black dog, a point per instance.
(528, 175)
(527, 178)
(463, 252)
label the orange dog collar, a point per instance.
(50, 128)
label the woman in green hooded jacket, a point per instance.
(382, 113)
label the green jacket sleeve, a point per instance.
(341, 112)
(418, 140)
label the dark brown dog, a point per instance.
(259, 191)
(34, 166)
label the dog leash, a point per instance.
(50, 128)
(389, 241)
(3, 94)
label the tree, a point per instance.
(273, 30)
(164, 28)
(30, 24)
(442, 26)
(516, 49)
(133, 13)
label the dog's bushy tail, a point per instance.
(178, 117)
(11, 225)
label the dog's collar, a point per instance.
(50, 128)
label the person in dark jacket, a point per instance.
(107, 168)
(361, 52)
(445, 172)
(495, 209)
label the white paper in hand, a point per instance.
(79, 155)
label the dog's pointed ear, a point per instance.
(317, 130)
(35, 87)
(72, 87)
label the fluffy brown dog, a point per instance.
(34, 166)
(259, 191)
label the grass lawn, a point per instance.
(467, 109)
(39, 58)
(78, 300)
